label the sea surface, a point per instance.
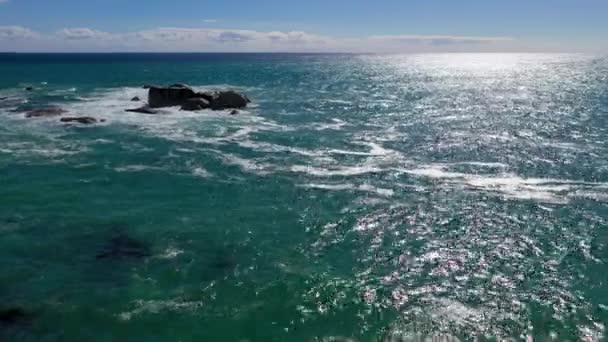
(359, 198)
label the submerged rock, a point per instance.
(144, 110)
(85, 120)
(122, 247)
(195, 104)
(14, 316)
(29, 88)
(234, 112)
(135, 99)
(45, 112)
(224, 262)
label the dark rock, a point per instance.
(85, 120)
(229, 99)
(29, 88)
(122, 247)
(195, 104)
(45, 112)
(209, 95)
(234, 112)
(148, 86)
(13, 316)
(135, 99)
(183, 96)
(170, 96)
(144, 110)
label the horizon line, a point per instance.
(298, 52)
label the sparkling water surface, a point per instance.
(360, 198)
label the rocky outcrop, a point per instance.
(171, 96)
(183, 96)
(228, 100)
(136, 99)
(143, 110)
(45, 112)
(85, 120)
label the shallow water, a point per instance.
(361, 197)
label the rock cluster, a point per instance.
(187, 99)
(177, 95)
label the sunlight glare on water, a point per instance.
(361, 198)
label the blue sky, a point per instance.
(311, 25)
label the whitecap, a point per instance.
(336, 125)
(160, 306)
(171, 253)
(248, 165)
(510, 185)
(350, 187)
(337, 171)
(201, 172)
(137, 168)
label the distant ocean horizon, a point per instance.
(358, 197)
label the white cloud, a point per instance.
(83, 33)
(439, 40)
(16, 32)
(177, 39)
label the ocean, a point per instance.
(358, 198)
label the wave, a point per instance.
(513, 186)
(350, 187)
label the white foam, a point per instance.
(275, 148)
(209, 127)
(201, 172)
(350, 187)
(171, 253)
(248, 165)
(137, 168)
(160, 306)
(484, 164)
(336, 171)
(335, 125)
(510, 185)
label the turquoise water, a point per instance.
(360, 198)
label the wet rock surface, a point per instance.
(143, 110)
(185, 97)
(85, 120)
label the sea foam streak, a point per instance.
(513, 186)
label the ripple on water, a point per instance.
(391, 196)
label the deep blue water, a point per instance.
(359, 198)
